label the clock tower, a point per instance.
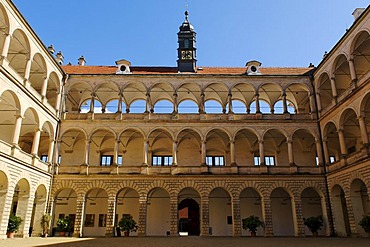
(186, 52)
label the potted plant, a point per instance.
(127, 224)
(63, 224)
(314, 224)
(252, 223)
(13, 225)
(365, 224)
(45, 224)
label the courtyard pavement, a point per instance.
(187, 242)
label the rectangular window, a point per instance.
(89, 220)
(332, 159)
(44, 158)
(102, 220)
(257, 160)
(317, 160)
(215, 160)
(107, 160)
(119, 160)
(162, 160)
(270, 160)
(59, 159)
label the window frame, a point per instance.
(162, 160)
(216, 160)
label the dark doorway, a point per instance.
(189, 217)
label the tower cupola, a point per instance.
(186, 53)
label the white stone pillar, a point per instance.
(232, 152)
(147, 106)
(363, 129)
(312, 103)
(290, 152)
(44, 88)
(51, 150)
(202, 102)
(318, 100)
(326, 151)
(36, 142)
(333, 87)
(285, 106)
(174, 153)
(119, 110)
(204, 153)
(17, 130)
(80, 216)
(258, 108)
(28, 70)
(57, 103)
(230, 101)
(319, 153)
(87, 151)
(175, 104)
(352, 71)
(4, 52)
(146, 152)
(111, 215)
(342, 142)
(262, 153)
(92, 103)
(116, 151)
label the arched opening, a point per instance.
(132, 146)
(351, 131)
(86, 106)
(106, 93)
(38, 210)
(238, 107)
(298, 99)
(160, 145)
(19, 52)
(217, 148)
(189, 212)
(213, 107)
(312, 206)
(96, 209)
(265, 108)
(138, 106)
(20, 204)
(65, 205)
(279, 107)
(127, 204)
(102, 148)
(269, 93)
(46, 138)
(9, 109)
(53, 90)
(250, 204)
(361, 54)
(163, 106)
(4, 25)
(342, 74)
(30, 125)
(282, 213)
(220, 215)
(3, 193)
(77, 94)
(135, 96)
(340, 213)
(331, 140)
(158, 213)
(38, 72)
(72, 148)
(304, 148)
(246, 147)
(188, 107)
(275, 148)
(325, 90)
(188, 148)
(360, 203)
(242, 95)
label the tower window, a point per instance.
(186, 43)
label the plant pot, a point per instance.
(62, 234)
(253, 234)
(315, 234)
(127, 233)
(10, 234)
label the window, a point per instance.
(186, 43)
(317, 160)
(44, 158)
(257, 160)
(270, 160)
(332, 159)
(102, 220)
(107, 160)
(89, 221)
(162, 160)
(215, 160)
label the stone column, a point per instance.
(111, 215)
(44, 88)
(262, 153)
(119, 109)
(116, 151)
(204, 153)
(175, 104)
(174, 153)
(290, 152)
(17, 130)
(333, 87)
(352, 71)
(57, 152)
(27, 71)
(142, 216)
(267, 216)
(237, 225)
(57, 103)
(4, 52)
(173, 215)
(24, 210)
(51, 151)
(230, 101)
(319, 153)
(326, 150)
(232, 152)
(204, 231)
(5, 208)
(80, 216)
(299, 230)
(201, 106)
(285, 106)
(146, 152)
(36, 142)
(318, 100)
(312, 103)
(351, 217)
(342, 142)
(87, 151)
(258, 108)
(363, 129)
(92, 103)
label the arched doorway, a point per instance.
(250, 204)
(20, 204)
(360, 202)
(38, 210)
(220, 217)
(127, 203)
(189, 217)
(340, 213)
(158, 212)
(312, 206)
(65, 205)
(282, 214)
(96, 210)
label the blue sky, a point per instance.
(285, 33)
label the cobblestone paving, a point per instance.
(188, 242)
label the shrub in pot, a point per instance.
(127, 224)
(45, 224)
(63, 225)
(314, 224)
(13, 225)
(252, 223)
(365, 224)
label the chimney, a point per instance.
(59, 58)
(356, 14)
(81, 61)
(51, 49)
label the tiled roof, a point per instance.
(111, 70)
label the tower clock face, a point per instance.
(186, 55)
